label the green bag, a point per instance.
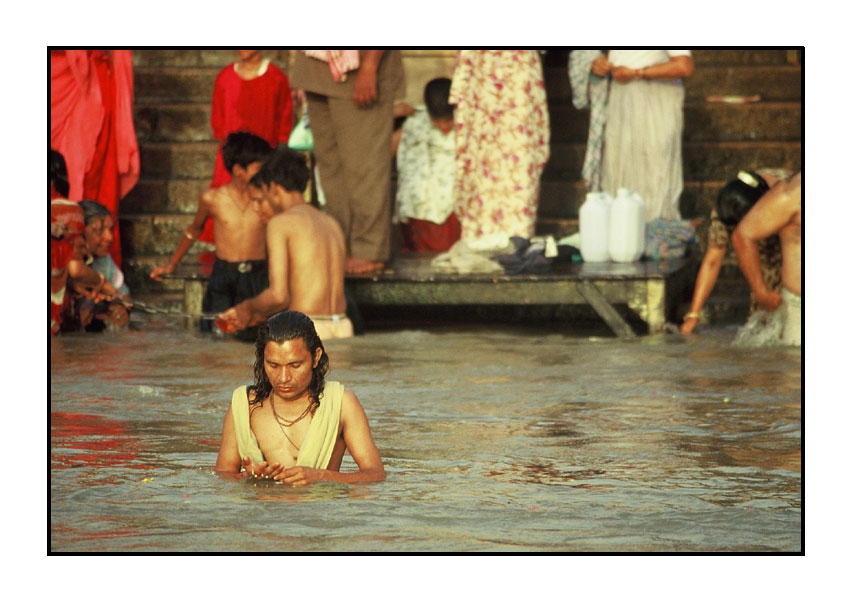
(301, 137)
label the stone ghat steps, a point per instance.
(173, 89)
(165, 84)
(558, 57)
(703, 160)
(783, 82)
(554, 57)
(704, 121)
(198, 57)
(155, 230)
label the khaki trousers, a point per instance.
(353, 150)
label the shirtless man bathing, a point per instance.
(239, 271)
(291, 426)
(780, 211)
(306, 251)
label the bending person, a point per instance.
(306, 252)
(733, 202)
(780, 212)
(291, 426)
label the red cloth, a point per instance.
(91, 124)
(261, 106)
(66, 225)
(422, 236)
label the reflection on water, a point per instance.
(492, 440)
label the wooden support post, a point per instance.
(656, 306)
(598, 302)
(193, 296)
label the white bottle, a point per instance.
(593, 219)
(627, 227)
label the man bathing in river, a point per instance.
(240, 270)
(780, 211)
(291, 426)
(306, 251)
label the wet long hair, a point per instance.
(286, 326)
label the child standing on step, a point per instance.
(250, 95)
(240, 270)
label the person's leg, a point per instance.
(329, 163)
(247, 286)
(218, 296)
(364, 137)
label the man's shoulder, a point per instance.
(296, 215)
(211, 194)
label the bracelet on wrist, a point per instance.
(188, 234)
(690, 315)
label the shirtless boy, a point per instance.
(240, 270)
(291, 426)
(306, 250)
(779, 211)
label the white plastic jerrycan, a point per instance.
(593, 219)
(627, 227)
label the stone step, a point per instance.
(198, 57)
(153, 234)
(219, 58)
(163, 195)
(783, 82)
(747, 56)
(771, 82)
(704, 122)
(707, 57)
(178, 159)
(702, 160)
(718, 122)
(137, 271)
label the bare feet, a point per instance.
(361, 266)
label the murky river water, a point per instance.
(493, 440)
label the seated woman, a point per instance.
(733, 202)
(71, 280)
(99, 233)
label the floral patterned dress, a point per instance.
(502, 142)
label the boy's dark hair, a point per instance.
(59, 173)
(92, 210)
(243, 148)
(437, 98)
(286, 326)
(285, 167)
(738, 197)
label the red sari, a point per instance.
(66, 225)
(91, 124)
(261, 106)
